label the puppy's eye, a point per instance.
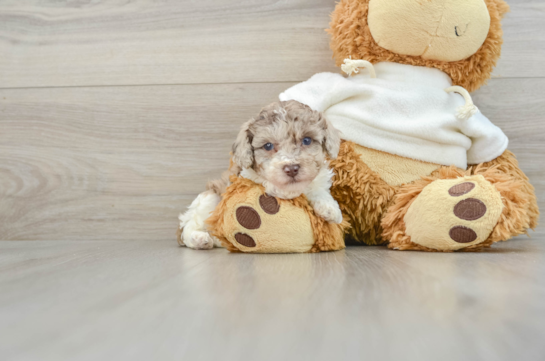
(307, 141)
(268, 147)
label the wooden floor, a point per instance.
(140, 300)
(114, 114)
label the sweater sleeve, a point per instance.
(315, 91)
(488, 141)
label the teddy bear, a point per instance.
(420, 167)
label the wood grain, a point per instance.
(146, 300)
(120, 163)
(114, 162)
(118, 42)
(150, 42)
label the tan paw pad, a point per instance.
(264, 224)
(451, 214)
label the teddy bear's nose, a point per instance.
(292, 170)
(460, 30)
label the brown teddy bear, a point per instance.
(420, 167)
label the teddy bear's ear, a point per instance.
(502, 6)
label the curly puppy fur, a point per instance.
(283, 127)
(351, 37)
(285, 149)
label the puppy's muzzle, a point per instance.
(291, 170)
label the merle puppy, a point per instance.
(286, 149)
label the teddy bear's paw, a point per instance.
(262, 224)
(328, 210)
(199, 240)
(452, 214)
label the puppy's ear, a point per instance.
(332, 140)
(243, 152)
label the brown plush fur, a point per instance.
(521, 210)
(351, 37)
(328, 236)
(362, 195)
(375, 209)
(520, 205)
(216, 222)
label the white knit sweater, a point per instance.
(404, 111)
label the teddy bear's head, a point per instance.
(463, 38)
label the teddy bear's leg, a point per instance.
(522, 206)
(454, 210)
(249, 220)
(362, 195)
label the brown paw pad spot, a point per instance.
(245, 240)
(269, 204)
(461, 189)
(248, 218)
(462, 234)
(470, 209)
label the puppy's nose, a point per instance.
(292, 170)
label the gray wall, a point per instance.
(113, 114)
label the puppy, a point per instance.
(285, 148)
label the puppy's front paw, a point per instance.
(329, 211)
(199, 240)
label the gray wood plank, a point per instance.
(123, 162)
(516, 106)
(52, 43)
(150, 42)
(524, 40)
(156, 301)
(120, 163)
